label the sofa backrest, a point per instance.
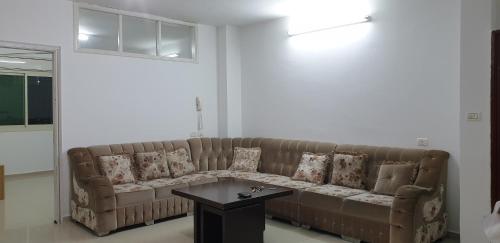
(279, 156)
(282, 156)
(433, 163)
(217, 153)
(132, 148)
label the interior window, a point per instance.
(11, 100)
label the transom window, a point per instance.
(109, 31)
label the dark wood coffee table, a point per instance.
(221, 217)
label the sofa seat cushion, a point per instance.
(163, 187)
(334, 190)
(283, 181)
(129, 194)
(197, 179)
(321, 206)
(369, 206)
(219, 173)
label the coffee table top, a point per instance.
(224, 194)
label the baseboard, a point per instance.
(453, 235)
(30, 173)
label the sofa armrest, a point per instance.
(93, 201)
(415, 215)
(404, 210)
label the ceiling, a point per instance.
(18, 60)
(213, 12)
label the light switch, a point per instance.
(424, 142)
(473, 116)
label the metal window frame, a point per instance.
(120, 52)
(26, 127)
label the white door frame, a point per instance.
(56, 105)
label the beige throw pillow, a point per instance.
(312, 168)
(179, 163)
(151, 165)
(117, 168)
(349, 170)
(393, 176)
(246, 159)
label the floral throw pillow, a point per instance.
(312, 168)
(151, 165)
(349, 170)
(179, 163)
(117, 168)
(246, 159)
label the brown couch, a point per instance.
(416, 214)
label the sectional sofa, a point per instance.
(417, 213)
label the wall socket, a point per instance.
(424, 142)
(474, 116)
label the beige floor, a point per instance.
(26, 217)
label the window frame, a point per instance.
(27, 127)
(120, 52)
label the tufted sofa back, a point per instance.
(217, 153)
(279, 156)
(433, 163)
(282, 156)
(132, 148)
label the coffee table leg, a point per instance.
(197, 222)
(244, 225)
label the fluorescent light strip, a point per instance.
(12, 62)
(360, 21)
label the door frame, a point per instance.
(56, 105)
(495, 118)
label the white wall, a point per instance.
(229, 83)
(382, 83)
(24, 152)
(109, 99)
(475, 136)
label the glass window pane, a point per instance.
(177, 41)
(98, 30)
(139, 35)
(11, 100)
(39, 100)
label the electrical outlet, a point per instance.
(473, 116)
(424, 142)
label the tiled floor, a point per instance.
(26, 217)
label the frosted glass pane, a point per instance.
(139, 35)
(98, 30)
(177, 41)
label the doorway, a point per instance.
(30, 126)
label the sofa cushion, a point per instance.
(283, 181)
(369, 206)
(163, 187)
(197, 179)
(337, 191)
(246, 159)
(348, 170)
(179, 163)
(128, 194)
(321, 206)
(393, 176)
(151, 165)
(312, 168)
(117, 168)
(219, 173)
